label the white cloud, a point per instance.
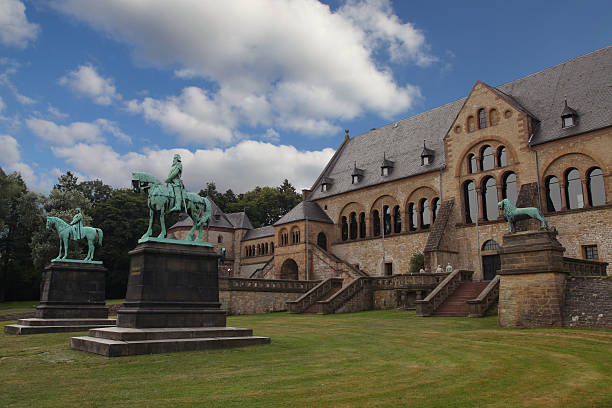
(86, 81)
(2, 105)
(384, 29)
(15, 29)
(240, 167)
(271, 61)
(56, 112)
(10, 158)
(75, 132)
(193, 115)
(10, 68)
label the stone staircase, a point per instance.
(456, 304)
(315, 308)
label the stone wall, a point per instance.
(243, 302)
(256, 296)
(588, 302)
(362, 301)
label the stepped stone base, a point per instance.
(124, 341)
(41, 326)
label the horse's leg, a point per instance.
(65, 238)
(59, 256)
(162, 221)
(91, 249)
(150, 230)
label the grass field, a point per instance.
(370, 359)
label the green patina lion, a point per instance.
(513, 214)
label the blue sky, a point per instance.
(251, 92)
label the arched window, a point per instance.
(258, 249)
(353, 226)
(490, 245)
(489, 199)
(494, 117)
(362, 225)
(219, 239)
(574, 196)
(435, 204)
(487, 158)
(553, 194)
(470, 124)
(376, 223)
(344, 229)
(397, 220)
(509, 187)
(271, 247)
(482, 119)
(595, 186)
(246, 251)
(425, 214)
(387, 219)
(412, 217)
(471, 202)
(267, 249)
(502, 159)
(472, 166)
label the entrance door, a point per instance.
(322, 241)
(490, 265)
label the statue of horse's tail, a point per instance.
(100, 235)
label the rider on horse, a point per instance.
(77, 225)
(174, 181)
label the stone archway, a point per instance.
(322, 241)
(289, 270)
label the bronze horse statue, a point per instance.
(161, 199)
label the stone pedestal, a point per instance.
(532, 281)
(72, 299)
(172, 304)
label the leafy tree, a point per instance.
(123, 217)
(417, 261)
(20, 215)
(95, 191)
(66, 182)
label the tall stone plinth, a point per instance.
(172, 304)
(532, 281)
(72, 299)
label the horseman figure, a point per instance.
(174, 181)
(77, 225)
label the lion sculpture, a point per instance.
(513, 214)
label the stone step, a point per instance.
(66, 322)
(131, 334)
(114, 348)
(19, 329)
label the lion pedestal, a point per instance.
(72, 299)
(532, 280)
(172, 304)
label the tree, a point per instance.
(66, 182)
(417, 261)
(95, 191)
(20, 216)
(123, 217)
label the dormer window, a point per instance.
(326, 184)
(387, 166)
(357, 175)
(569, 117)
(426, 156)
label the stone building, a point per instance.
(431, 183)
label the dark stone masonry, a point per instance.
(588, 302)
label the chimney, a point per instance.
(305, 193)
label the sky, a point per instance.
(250, 92)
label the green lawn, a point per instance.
(370, 359)
(22, 304)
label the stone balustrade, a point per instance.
(583, 267)
(266, 285)
(486, 299)
(427, 306)
(313, 295)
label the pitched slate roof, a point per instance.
(261, 232)
(240, 220)
(585, 80)
(305, 209)
(400, 142)
(218, 219)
